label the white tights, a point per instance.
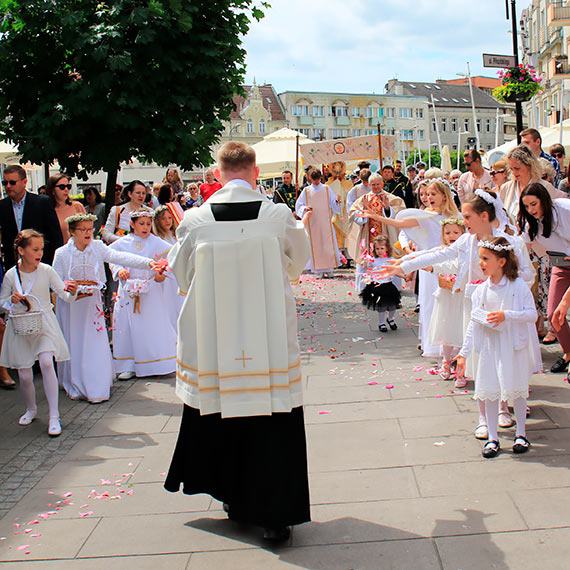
(492, 412)
(51, 387)
(382, 316)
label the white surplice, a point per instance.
(238, 352)
(90, 372)
(144, 335)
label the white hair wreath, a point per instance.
(495, 246)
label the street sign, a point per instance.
(494, 60)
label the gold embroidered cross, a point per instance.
(243, 358)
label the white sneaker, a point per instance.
(126, 375)
(28, 417)
(54, 427)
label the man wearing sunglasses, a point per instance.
(22, 210)
(532, 139)
(475, 177)
(558, 152)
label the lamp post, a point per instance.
(436, 124)
(468, 75)
(459, 133)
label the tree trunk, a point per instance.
(110, 190)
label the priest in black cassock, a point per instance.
(242, 437)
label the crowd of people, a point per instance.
(172, 279)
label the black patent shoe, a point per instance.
(278, 534)
(491, 449)
(521, 445)
(393, 324)
(560, 365)
(382, 328)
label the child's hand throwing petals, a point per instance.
(460, 365)
(160, 265)
(123, 274)
(71, 287)
(496, 317)
(390, 271)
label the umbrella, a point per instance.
(277, 152)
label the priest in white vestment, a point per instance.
(242, 437)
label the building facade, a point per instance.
(326, 116)
(545, 33)
(450, 113)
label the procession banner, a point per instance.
(354, 148)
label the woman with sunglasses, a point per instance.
(499, 173)
(58, 188)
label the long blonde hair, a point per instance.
(158, 214)
(448, 208)
(524, 155)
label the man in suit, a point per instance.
(22, 210)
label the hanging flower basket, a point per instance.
(519, 84)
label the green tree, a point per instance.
(91, 83)
(436, 159)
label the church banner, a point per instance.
(354, 148)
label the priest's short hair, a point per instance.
(234, 156)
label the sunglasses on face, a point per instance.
(558, 154)
(10, 182)
(63, 186)
(468, 164)
(493, 172)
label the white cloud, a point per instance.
(334, 45)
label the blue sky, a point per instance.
(356, 46)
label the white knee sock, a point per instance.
(519, 404)
(391, 314)
(381, 317)
(51, 387)
(26, 377)
(482, 413)
(492, 411)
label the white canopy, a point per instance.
(276, 152)
(8, 153)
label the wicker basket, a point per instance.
(27, 323)
(445, 283)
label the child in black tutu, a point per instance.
(381, 294)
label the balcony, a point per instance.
(342, 121)
(304, 120)
(373, 121)
(558, 67)
(558, 14)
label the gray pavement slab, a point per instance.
(396, 477)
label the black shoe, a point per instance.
(278, 534)
(417, 309)
(521, 445)
(560, 365)
(382, 328)
(393, 324)
(547, 342)
(491, 449)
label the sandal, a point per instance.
(547, 339)
(7, 383)
(445, 371)
(491, 449)
(506, 420)
(482, 431)
(521, 444)
(460, 382)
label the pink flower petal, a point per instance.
(438, 396)
(23, 547)
(324, 411)
(389, 386)
(372, 383)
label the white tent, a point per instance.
(276, 152)
(8, 153)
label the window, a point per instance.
(337, 111)
(443, 125)
(454, 125)
(412, 86)
(318, 111)
(299, 110)
(356, 132)
(489, 147)
(465, 100)
(453, 147)
(305, 132)
(419, 113)
(465, 124)
(444, 99)
(421, 135)
(339, 133)
(407, 135)
(369, 112)
(487, 125)
(381, 112)
(318, 134)
(391, 112)
(356, 112)
(433, 125)
(437, 87)
(455, 100)
(262, 126)
(478, 125)
(249, 126)
(427, 86)
(405, 113)
(372, 132)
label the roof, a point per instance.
(448, 95)
(479, 80)
(270, 101)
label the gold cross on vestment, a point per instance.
(243, 358)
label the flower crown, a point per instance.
(449, 221)
(485, 195)
(142, 212)
(160, 210)
(80, 218)
(427, 181)
(495, 246)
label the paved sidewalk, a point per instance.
(397, 479)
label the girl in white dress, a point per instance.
(164, 229)
(423, 228)
(501, 333)
(381, 294)
(144, 335)
(445, 326)
(89, 374)
(26, 287)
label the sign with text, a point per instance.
(354, 148)
(494, 60)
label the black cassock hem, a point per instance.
(257, 465)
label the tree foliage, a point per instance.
(93, 83)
